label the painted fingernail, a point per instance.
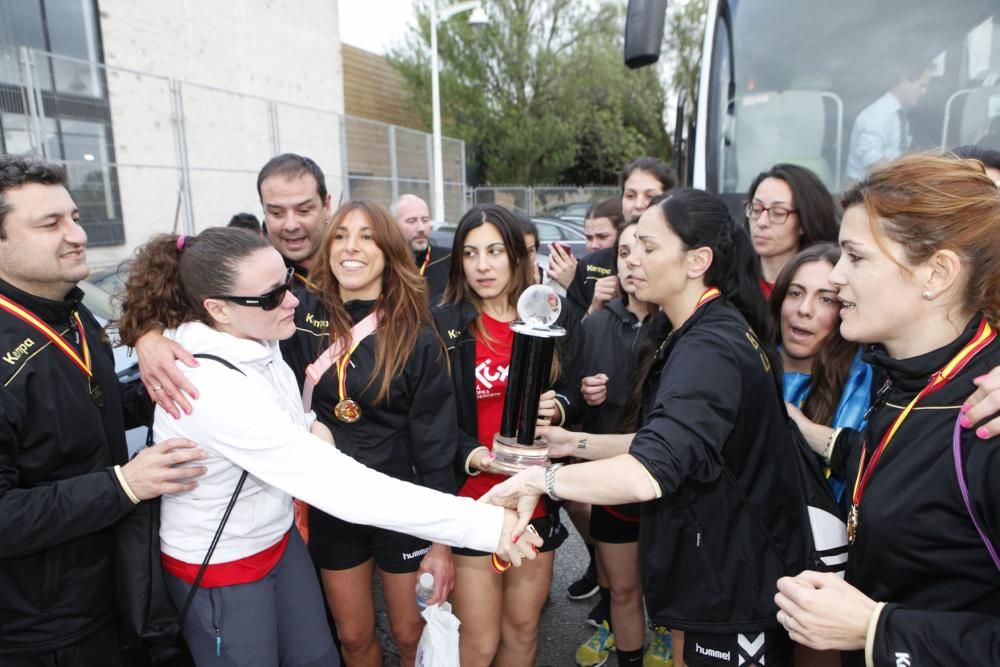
(982, 432)
(965, 422)
(965, 408)
(516, 538)
(535, 549)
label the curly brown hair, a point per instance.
(167, 286)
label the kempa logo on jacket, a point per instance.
(19, 351)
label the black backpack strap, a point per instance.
(225, 516)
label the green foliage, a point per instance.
(684, 34)
(541, 94)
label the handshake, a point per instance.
(519, 495)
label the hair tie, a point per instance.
(180, 242)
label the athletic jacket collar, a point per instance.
(913, 373)
(46, 309)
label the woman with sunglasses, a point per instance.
(225, 294)
(788, 208)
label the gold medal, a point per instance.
(852, 524)
(347, 411)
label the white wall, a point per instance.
(287, 51)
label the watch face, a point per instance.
(539, 306)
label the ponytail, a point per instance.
(171, 276)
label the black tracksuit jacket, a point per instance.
(413, 436)
(59, 498)
(454, 323)
(612, 340)
(917, 547)
(707, 561)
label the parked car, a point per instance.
(572, 211)
(100, 296)
(549, 230)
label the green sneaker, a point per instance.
(660, 651)
(594, 652)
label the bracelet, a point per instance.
(550, 481)
(125, 487)
(870, 634)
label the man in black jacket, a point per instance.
(414, 220)
(64, 476)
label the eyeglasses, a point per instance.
(268, 301)
(777, 214)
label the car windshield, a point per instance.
(808, 72)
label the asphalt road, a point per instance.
(563, 625)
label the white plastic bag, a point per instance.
(438, 645)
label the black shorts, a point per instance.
(335, 544)
(551, 530)
(772, 648)
(618, 524)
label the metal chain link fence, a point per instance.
(148, 154)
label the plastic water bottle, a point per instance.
(425, 589)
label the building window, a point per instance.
(56, 103)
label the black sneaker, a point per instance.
(601, 613)
(584, 587)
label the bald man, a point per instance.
(414, 220)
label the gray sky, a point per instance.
(375, 25)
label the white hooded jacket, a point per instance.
(256, 422)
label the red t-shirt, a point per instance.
(766, 288)
(492, 362)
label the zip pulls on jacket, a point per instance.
(880, 398)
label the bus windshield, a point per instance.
(839, 87)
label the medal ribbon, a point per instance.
(30, 318)
(342, 370)
(427, 259)
(711, 294)
(984, 336)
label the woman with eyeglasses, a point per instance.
(788, 208)
(225, 294)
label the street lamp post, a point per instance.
(478, 17)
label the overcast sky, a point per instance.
(375, 25)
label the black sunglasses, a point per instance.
(268, 301)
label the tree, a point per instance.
(541, 93)
(685, 32)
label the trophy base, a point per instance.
(513, 457)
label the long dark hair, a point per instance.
(818, 218)
(701, 220)
(169, 278)
(458, 288)
(403, 300)
(832, 364)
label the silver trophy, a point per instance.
(535, 333)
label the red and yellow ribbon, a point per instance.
(984, 336)
(25, 315)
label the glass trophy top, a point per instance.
(539, 306)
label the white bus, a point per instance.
(786, 80)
